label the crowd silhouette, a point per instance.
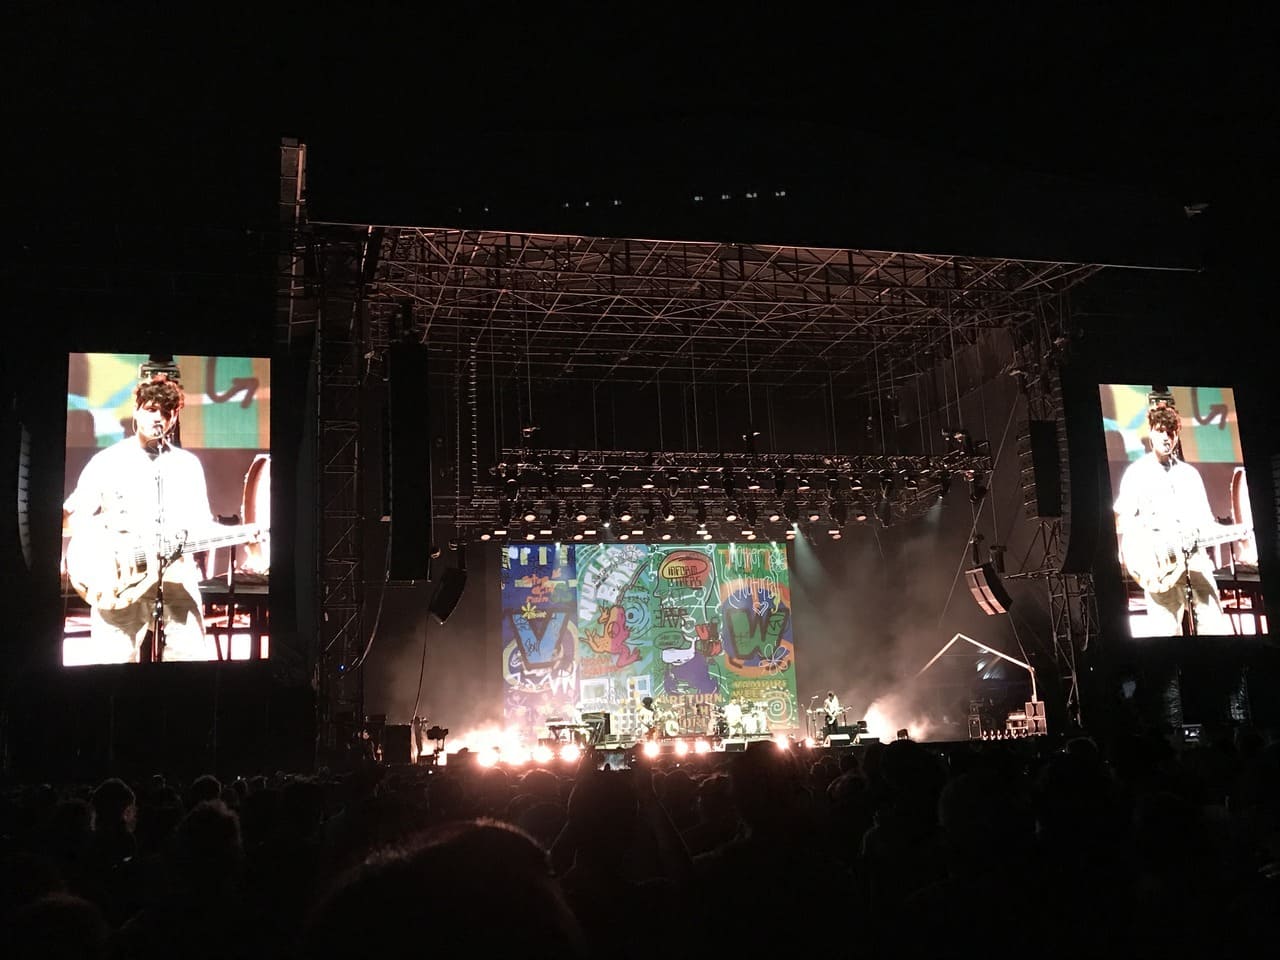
(1132, 846)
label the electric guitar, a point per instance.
(1156, 558)
(112, 569)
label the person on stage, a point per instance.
(647, 719)
(1162, 517)
(142, 496)
(830, 713)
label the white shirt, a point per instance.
(1171, 499)
(137, 492)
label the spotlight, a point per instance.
(504, 513)
(855, 482)
(701, 746)
(650, 748)
(977, 488)
(839, 512)
(833, 480)
(624, 536)
(753, 482)
(774, 515)
(579, 513)
(650, 515)
(605, 512)
(701, 513)
(727, 482)
(649, 482)
(577, 536)
(750, 512)
(666, 536)
(909, 481)
(500, 531)
(802, 484)
(779, 483)
(553, 516)
(813, 515)
(860, 513)
(624, 512)
(791, 511)
(589, 481)
(542, 754)
(681, 748)
(886, 484)
(782, 741)
(571, 753)
(530, 514)
(731, 513)
(668, 511)
(673, 480)
(704, 481)
(530, 536)
(486, 536)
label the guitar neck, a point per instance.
(1226, 534)
(232, 536)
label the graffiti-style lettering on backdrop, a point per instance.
(539, 634)
(695, 627)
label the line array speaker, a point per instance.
(408, 439)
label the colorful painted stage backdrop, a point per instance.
(600, 626)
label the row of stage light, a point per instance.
(571, 753)
(615, 495)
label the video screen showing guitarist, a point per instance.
(139, 505)
(1165, 525)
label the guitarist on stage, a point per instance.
(145, 490)
(1162, 518)
(830, 713)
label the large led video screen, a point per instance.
(1184, 525)
(703, 632)
(167, 509)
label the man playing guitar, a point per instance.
(1164, 522)
(647, 720)
(830, 713)
(141, 506)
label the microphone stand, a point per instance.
(164, 558)
(1187, 550)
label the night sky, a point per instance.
(109, 113)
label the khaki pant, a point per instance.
(117, 635)
(1165, 609)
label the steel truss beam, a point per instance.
(339, 520)
(1073, 614)
(639, 311)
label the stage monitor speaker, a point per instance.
(1033, 708)
(990, 594)
(447, 595)
(1046, 464)
(975, 728)
(397, 743)
(836, 740)
(408, 442)
(735, 746)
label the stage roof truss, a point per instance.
(548, 307)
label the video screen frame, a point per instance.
(167, 497)
(1185, 544)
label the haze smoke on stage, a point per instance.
(868, 612)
